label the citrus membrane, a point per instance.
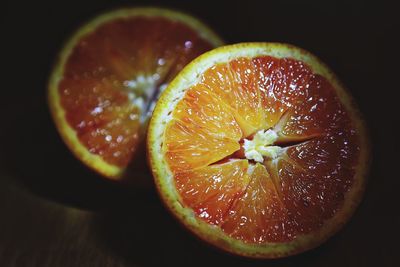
(109, 75)
(258, 149)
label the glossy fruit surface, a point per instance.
(109, 74)
(259, 150)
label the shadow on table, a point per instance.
(143, 233)
(131, 222)
(33, 154)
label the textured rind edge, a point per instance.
(69, 136)
(164, 179)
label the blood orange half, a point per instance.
(258, 150)
(109, 75)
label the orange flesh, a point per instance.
(104, 75)
(280, 199)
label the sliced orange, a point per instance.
(103, 88)
(259, 150)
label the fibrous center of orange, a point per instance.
(142, 93)
(261, 146)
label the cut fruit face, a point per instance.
(104, 87)
(258, 150)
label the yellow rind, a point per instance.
(164, 178)
(67, 133)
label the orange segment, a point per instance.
(318, 190)
(316, 112)
(102, 118)
(259, 215)
(234, 84)
(203, 131)
(203, 109)
(110, 74)
(281, 82)
(211, 190)
(187, 147)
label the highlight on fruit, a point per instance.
(258, 150)
(108, 76)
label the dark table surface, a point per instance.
(55, 212)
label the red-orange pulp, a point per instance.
(281, 198)
(110, 68)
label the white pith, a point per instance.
(141, 90)
(261, 146)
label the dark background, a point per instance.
(55, 212)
